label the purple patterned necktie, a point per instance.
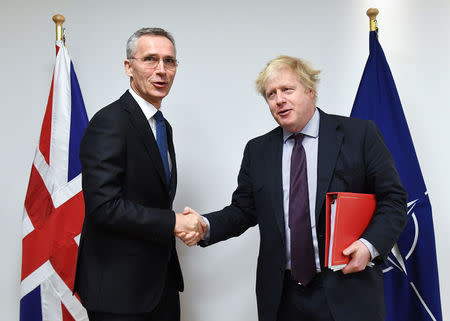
(303, 266)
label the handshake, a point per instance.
(189, 226)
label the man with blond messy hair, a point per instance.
(284, 177)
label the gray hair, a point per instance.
(132, 41)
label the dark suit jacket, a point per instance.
(127, 243)
(352, 157)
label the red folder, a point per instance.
(347, 217)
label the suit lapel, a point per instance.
(330, 141)
(275, 178)
(142, 126)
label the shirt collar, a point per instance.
(148, 109)
(311, 128)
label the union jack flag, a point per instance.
(54, 206)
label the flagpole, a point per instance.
(372, 13)
(59, 20)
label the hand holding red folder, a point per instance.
(359, 257)
(347, 216)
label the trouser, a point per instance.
(303, 303)
(168, 309)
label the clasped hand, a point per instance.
(189, 226)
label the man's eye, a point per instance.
(169, 60)
(149, 58)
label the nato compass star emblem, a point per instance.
(396, 258)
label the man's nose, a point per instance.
(160, 67)
(280, 98)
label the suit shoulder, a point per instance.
(262, 139)
(110, 112)
(111, 120)
(352, 123)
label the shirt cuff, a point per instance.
(373, 251)
(207, 234)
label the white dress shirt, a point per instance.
(310, 144)
(149, 111)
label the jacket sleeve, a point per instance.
(390, 216)
(240, 215)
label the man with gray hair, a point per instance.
(284, 177)
(127, 266)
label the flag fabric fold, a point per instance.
(411, 275)
(54, 206)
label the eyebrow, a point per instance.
(158, 55)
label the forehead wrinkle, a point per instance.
(154, 52)
(149, 44)
(281, 82)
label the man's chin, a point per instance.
(159, 94)
(287, 126)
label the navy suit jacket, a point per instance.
(127, 244)
(352, 157)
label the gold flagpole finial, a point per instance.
(59, 20)
(372, 13)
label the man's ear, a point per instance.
(128, 67)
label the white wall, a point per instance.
(221, 46)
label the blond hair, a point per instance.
(308, 76)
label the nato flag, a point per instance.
(410, 276)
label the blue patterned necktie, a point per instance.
(161, 140)
(303, 266)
